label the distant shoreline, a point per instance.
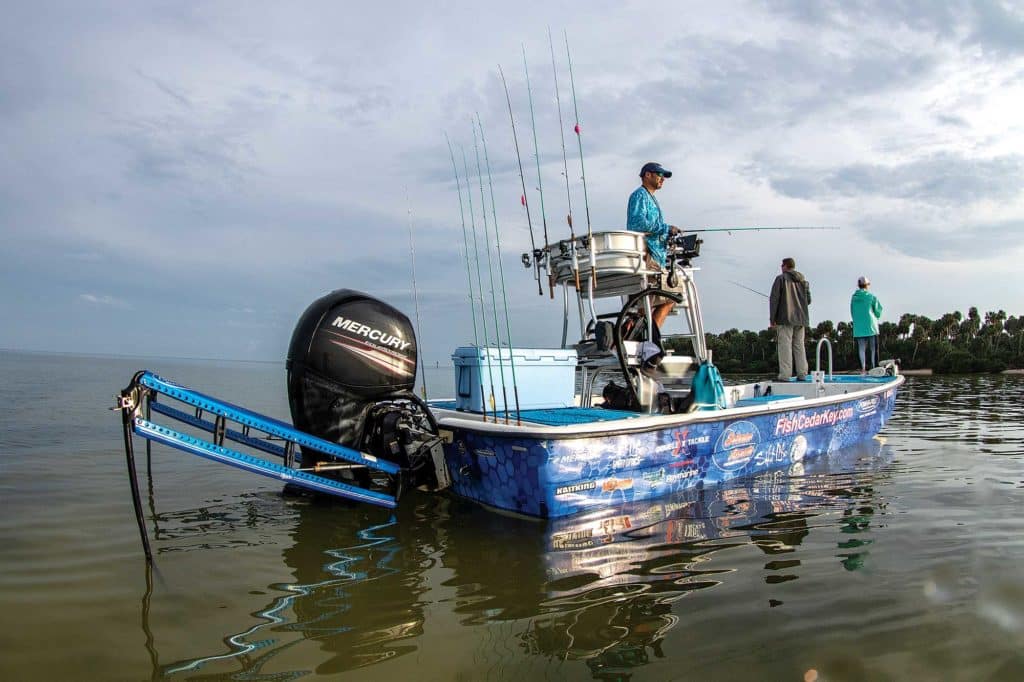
(928, 372)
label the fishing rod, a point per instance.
(526, 202)
(480, 292)
(490, 275)
(583, 172)
(415, 292)
(504, 295)
(758, 229)
(744, 286)
(465, 242)
(565, 168)
(536, 155)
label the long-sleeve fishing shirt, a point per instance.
(643, 214)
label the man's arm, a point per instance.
(773, 300)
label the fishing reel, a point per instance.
(537, 258)
(684, 247)
(567, 246)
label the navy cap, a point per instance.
(653, 167)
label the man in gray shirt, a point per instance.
(791, 294)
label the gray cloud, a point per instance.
(996, 27)
(720, 89)
(943, 179)
(932, 238)
(264, 158)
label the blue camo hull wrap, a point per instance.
(555, 477)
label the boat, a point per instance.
(569, 440)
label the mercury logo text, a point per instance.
(372, 334)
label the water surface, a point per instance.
(899, 559)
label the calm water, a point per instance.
(903, 559)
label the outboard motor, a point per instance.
(352, 366)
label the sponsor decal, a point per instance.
(867, 406)
(678, 476)
(574, 456)
(736, 446)
(615, 524)
(575, 488)
(681, 442)
(655, 478)
(612, 484)
(572, 539)
(776, 452)
(359, 329)
(793, 422)
(799, 449)
(781, 451)
(626, 462)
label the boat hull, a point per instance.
(550, 474)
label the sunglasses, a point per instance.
(658, 173)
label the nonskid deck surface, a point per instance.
(557, 416)
(782, 393)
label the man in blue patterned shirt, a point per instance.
(643, 214)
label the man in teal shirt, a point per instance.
(643, 214)
(866, 310)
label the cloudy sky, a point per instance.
(184, 178)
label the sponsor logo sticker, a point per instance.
(575, 488)
(736, 445)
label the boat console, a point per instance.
(614, 265)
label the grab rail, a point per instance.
(817, 360)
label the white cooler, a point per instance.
(545, 377)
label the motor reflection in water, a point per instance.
(602, 588)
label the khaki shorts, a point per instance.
(677, 289)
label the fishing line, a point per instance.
(536, 155)
(490, 274)
(415, 293)
(583, 172)
(565, 167)
(525, 201)
(465, 243)
(480, 288)
(744, 286)
(501, 274)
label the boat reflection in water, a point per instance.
(600, 588)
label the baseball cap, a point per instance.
(863, 281)
(653, 167)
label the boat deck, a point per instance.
(565, 416)
(557, 416)
(783, 392)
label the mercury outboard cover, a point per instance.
(351, 370)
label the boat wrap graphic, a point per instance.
(553, 478)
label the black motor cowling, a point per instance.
(351, 371)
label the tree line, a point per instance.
(951, 344)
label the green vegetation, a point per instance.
(952, 344)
